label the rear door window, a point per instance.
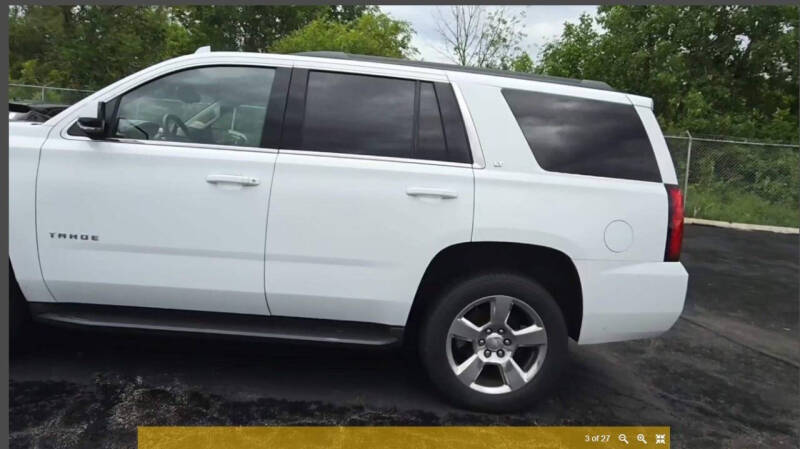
(359, 115)
(585, 137)
(430, 142)
(373, 115)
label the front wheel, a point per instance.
(494, 343)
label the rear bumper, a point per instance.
(626, 301)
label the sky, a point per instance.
(541, 24)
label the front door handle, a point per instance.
(233, 179)
(427, 191)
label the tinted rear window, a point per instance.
(359, 115)
(377, 116)
(430, 143)
(584, 137)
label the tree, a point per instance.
(371, 34)
(575, 54)
(521, 63)
(87, 46)
(475, 35)
(715, 70)
(255, 28)
(90, 46)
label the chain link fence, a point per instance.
(27, 93)
(738, 181)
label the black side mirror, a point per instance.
(95, 127)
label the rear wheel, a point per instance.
(495, 342)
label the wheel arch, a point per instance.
(548, 266)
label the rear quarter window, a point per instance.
(584, 137)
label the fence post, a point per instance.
(686, 176)
(42, 94)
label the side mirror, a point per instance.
(95, 127)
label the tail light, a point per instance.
(675, 224)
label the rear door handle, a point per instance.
(233, 179)
(427, 191)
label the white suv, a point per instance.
(483, 217)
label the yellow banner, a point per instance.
(462, 437)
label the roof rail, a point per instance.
(206, 49)
(459, 68)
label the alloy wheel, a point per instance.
(496, 344)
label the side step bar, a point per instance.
(212, 323)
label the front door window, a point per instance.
(211, 105)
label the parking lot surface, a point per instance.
(726, 375)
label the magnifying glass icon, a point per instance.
(623, 438)
(641, 439)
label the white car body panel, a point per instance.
(520, 202)
(167, 238)
(626, 301)
(517, 201)
(345, 241)
(663, 157)
(23, 163)
(327, 235)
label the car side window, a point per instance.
(217, 105)
(373, 115)
(431, 143)
(583, 136)
(359, 115)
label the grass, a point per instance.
(740, 206)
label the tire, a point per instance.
(18, 314)
(535, 366)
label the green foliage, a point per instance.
(575, 54)
(520, 63)
(719, 70)
(727, 203)
(85, 46)
(255, 28)
(741, 183)
(771, 173)
(90, 46)
(371, 34)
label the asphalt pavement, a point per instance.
(726, 375)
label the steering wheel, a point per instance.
(170, 124)
(237, 137)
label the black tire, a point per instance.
(18, 315)
(433, 341)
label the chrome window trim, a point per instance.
(167, 143)
(273, 151)
(374, 158)
(478, 160)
